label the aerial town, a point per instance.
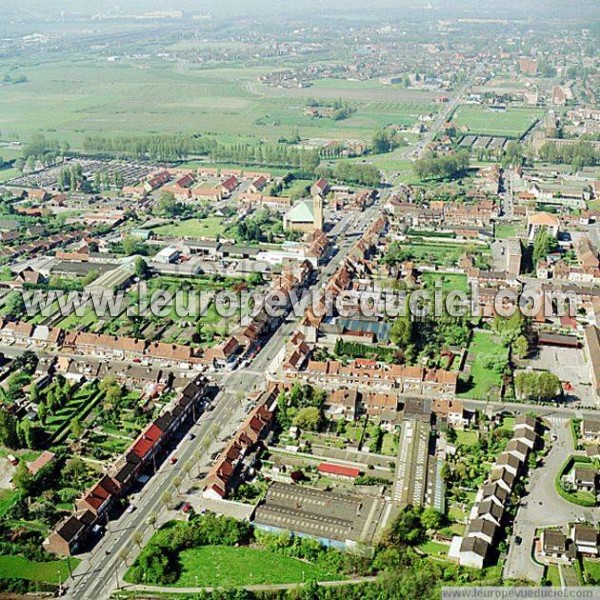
(299, 312)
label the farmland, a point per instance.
(72, 99)
(512, 123)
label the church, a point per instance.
(305, 216)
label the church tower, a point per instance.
(318, 212)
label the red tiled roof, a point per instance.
(333, 469)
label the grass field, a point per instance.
(504, 231)
(467, 438)
(513, 122)
(22, 568)
(592, 569)
(487, 354)
(72, 99)
(434, 549)
(449, 281)
(210, 227)
(229, 566)
(553, 576)
(7, 499)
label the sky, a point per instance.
(488, 8)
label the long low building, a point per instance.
(335, 519)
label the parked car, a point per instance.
(130, 508)
(173, 460)
(186, 507)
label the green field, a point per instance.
(434, 549)
(230, 566)
(7, 499)
(487, 354)
(504, 231)
(513, 122)
(70, 99)
(18, 567)
(467, 438)
(592, 569)
(449, 282)
(211, 227)
(553, 576)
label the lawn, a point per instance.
(211, 227)
(553, 576)
(229, 566)
(592, 569)
(434, 549)
(467, 438)
(18, 567)
(7, 499)
(438, 254)
(449, 282)
(489, 358)
(513, 122)
(504, 231)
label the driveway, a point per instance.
(542, 506)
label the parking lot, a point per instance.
(570, 366)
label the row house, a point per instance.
(370, 374)
(485, 519)
(226, 471)
(67, 537)
(453, 412)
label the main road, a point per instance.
(102, 569)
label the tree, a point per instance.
(381, 142)
(124, 554)
(166, 498)
(431, 518)
(177, 483)
(8, 429)
(151, 520)
(543, 244)
(138, 538)
(22, 478)
(141, 269)
(401, 333)
(521, 347)
(167, 205)
(308, 418)
(76, 428)
(42, 413)
(14, 305)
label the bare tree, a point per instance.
(124, 555)
(151, 520)
(138, 538)
(166, 499)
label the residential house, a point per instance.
(590, 430)
(473, 552)
(553, 544)
(585, 538)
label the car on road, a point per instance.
(518, 540)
